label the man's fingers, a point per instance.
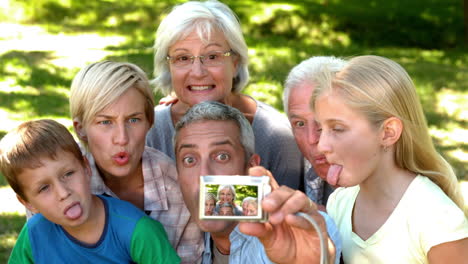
(302, 223)
(261, 171)
(255, 229)
(285, 201)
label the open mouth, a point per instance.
(121, 158)
(334, 174)
(200, 87)
(73, 211)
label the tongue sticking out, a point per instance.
(333, 173)
(74, 212)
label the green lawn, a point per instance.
(43, 43)
(10, 226)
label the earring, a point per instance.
(385, 148)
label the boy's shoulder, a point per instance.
(116, 208)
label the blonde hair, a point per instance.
(380, 88)
(99, 84)
(25, 146)
(210, 196)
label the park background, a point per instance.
(43, 43)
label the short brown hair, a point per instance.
(25, 146)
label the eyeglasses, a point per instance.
(211, 59)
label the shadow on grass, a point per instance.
(27, 69)
(459, 166)
(32, 105)
(32, 68)
(10, 227)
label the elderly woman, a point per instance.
(112, 105)
(201, 55)
(249, 203)
(210, 203)
(252, 207)
(227, 194)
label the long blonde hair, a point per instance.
(380, 88)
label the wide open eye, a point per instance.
(223, 157)
(299, 124)
(188, 161)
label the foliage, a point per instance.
(425, 36)
(10, 227)
(242, 191)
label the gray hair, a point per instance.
(230, 187)
(307, 71)
(216, 111)
(203, 18)
(227, 205)
(250, 200)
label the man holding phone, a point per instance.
(216, 139)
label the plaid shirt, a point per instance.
(163, 202)
(316, 189)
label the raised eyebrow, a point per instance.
(135, 114)
(180, 49)
(213, 44)
(295, 116)
(182, 146)
(223, 142)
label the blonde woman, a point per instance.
(210, 204)
(401, 202)
(111, 104)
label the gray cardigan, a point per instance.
(274, 142)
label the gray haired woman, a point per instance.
(201, 55)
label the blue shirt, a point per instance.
(129, 236)
(248, 249)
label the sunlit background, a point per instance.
(43, 43)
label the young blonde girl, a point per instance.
(400, 201)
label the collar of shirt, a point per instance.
(244, 249)
(155, 197)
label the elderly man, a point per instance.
(216, 139)
(298, 89)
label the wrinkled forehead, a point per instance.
(209, 133)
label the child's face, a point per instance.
(59, 190)
(350, 143)
(116, 135)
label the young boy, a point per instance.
(44, 166)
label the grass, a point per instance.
(43, 44)
(10, 227)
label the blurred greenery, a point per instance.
(426, 37)
(10, 227)
(43, 43)
(242, 191)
